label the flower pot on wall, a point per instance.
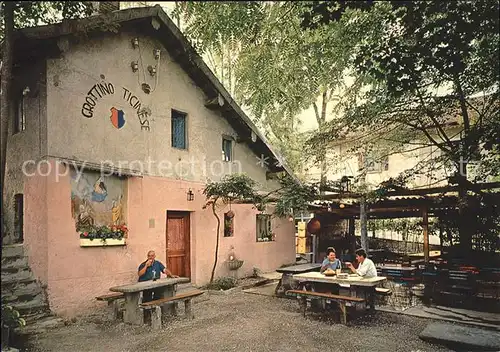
(97, 242)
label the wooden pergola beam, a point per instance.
(414, 192)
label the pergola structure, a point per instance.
(403, 203)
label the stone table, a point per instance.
(132, 292)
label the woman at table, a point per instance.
(330, 262)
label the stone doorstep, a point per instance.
(462, 337)
(438, 318)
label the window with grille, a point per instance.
(264, 230)
(19, 217)
(179, 133)
(227, 149)
(19, 115)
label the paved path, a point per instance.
(244, 322)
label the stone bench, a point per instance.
(155, 306)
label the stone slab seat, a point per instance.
(113, 301)
(155, 306)
(326, 296)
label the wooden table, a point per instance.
(356, 283)
(288, 272)
(132, 292)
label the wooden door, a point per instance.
(178, 239)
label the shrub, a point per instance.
(223, 283)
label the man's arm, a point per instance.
(143, 267)
(167, 272)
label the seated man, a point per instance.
(150, 270)
(330, 262)
(366, 267)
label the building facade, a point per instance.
(122, 128)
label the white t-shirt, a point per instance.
(367, 269)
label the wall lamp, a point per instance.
(156, 53)
(135, 66)
(190, 195)
(152, 70)
(135, 42)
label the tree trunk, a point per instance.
(363, 221)
(217, 241)
(5, 97)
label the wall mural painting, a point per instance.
(98, 204)
(117, 117)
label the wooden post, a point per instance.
(425, 226)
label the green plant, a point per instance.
(223, 283)
(230, 188)
(103, 232)
(11, 317)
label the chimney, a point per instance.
(102, 7)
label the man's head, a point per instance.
(330, 254)
(151, 255)
(360, 255)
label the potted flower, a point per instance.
(103, 235)
(11, 319)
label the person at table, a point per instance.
(330, 262)
(366, 267)
(148, 270)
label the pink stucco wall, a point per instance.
(75, 275)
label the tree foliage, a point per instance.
(277, 70)
(36, 13)
(435, 66)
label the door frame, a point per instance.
(179, 214)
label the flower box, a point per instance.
(98, 242)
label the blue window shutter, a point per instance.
(178, 130)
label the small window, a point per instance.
(179, 136)
(227, 149)
(373, 162)
(264, 231)
(19, 217)
(229, 224)
(19, 115)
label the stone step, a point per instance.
(21, 288)
(9, 278)
(42, 325)
(34, 317)
(13, 250)
(12, 264)
(24, 296)
(28, 308)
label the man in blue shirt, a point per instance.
(151, 269)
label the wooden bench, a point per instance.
(326, 296)
(113, 300)
(383, 291)
(155, 306)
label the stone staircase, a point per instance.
(23, 292)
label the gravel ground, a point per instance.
(244, 322)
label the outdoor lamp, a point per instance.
(135, 66)
(135, 42)
(344, 183)
(152, 70)
(156, 53)
(190, 195)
